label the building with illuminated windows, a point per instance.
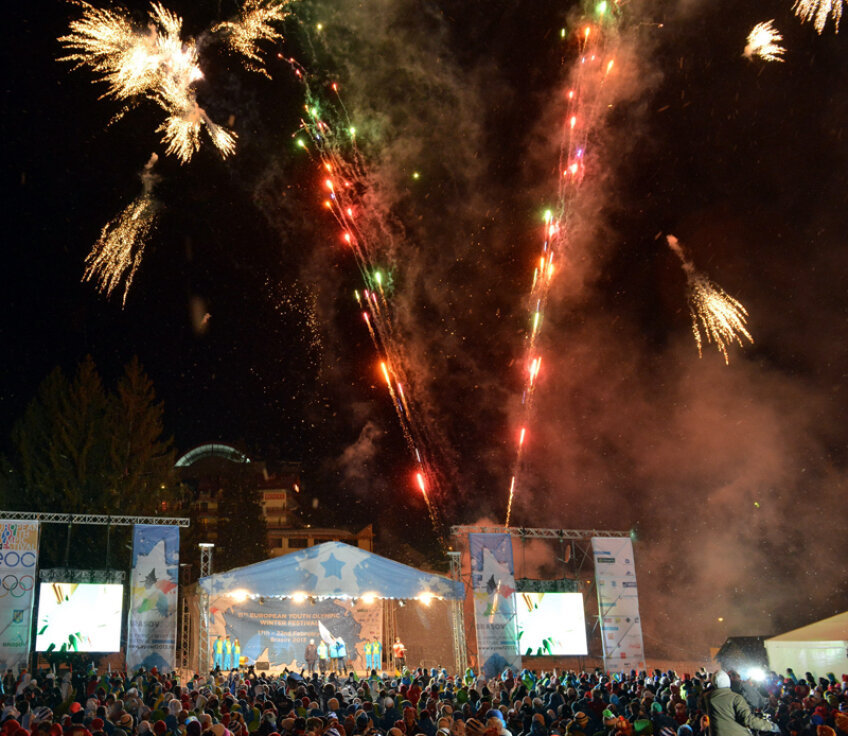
(208, 471)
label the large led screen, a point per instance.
(79, 617)
(551, 623)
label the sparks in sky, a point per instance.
(587, 95)
(764, 41)
(118, 251)
(254, 25)
(818, 11)
(374, 237)
(156, 63)
(722, 318)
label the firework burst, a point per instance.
(818, 11)
(254, 25)
(117, 254)
(764, 41)
(722, 318)
(157, 64)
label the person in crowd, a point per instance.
(729, 713)
(416, 702)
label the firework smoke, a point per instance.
(721, 317)
(581, 117)
(764, 41)
(118, 251)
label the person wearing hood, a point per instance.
(729, 713)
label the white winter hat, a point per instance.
(721, 679)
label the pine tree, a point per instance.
(142, 461)
(62, 444)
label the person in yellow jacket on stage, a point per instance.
(368, 662)
(323, 656)
(218, 652)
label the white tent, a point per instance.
(820, 647)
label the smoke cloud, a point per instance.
(731, 477)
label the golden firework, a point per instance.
(118, 251)
(818, 11)
(254, 25)
(155, 63)
(721, 318)
(764, 41)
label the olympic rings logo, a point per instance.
(13, 559)
(15, 586)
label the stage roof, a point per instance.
(331, 570)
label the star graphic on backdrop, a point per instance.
(332, 567)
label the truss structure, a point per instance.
(534, 533)
(93, 519)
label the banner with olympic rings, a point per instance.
(18, 564)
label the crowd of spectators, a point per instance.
(419, 703)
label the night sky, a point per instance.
(734, 477)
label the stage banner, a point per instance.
(493, 585)
(18, 561)
(278, 630)
(153, 611)
(618, 604)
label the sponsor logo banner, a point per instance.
(618, 604)
(152, 638)
(18, 562)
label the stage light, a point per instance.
(369, 598)
(756, 674)
(239, 595)
(425, 598)
(299, 597)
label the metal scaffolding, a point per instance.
(184, 653)
(460, 654)
(204, 649)
(533, 533)
(93, 519)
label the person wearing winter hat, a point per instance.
(729, 712)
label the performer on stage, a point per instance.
(368, 662)
(377, 654)
(311, 656)
(339, 654)
(236, 653)
(228, 653)
(399, 651)
(218, 648)
(323, 656)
